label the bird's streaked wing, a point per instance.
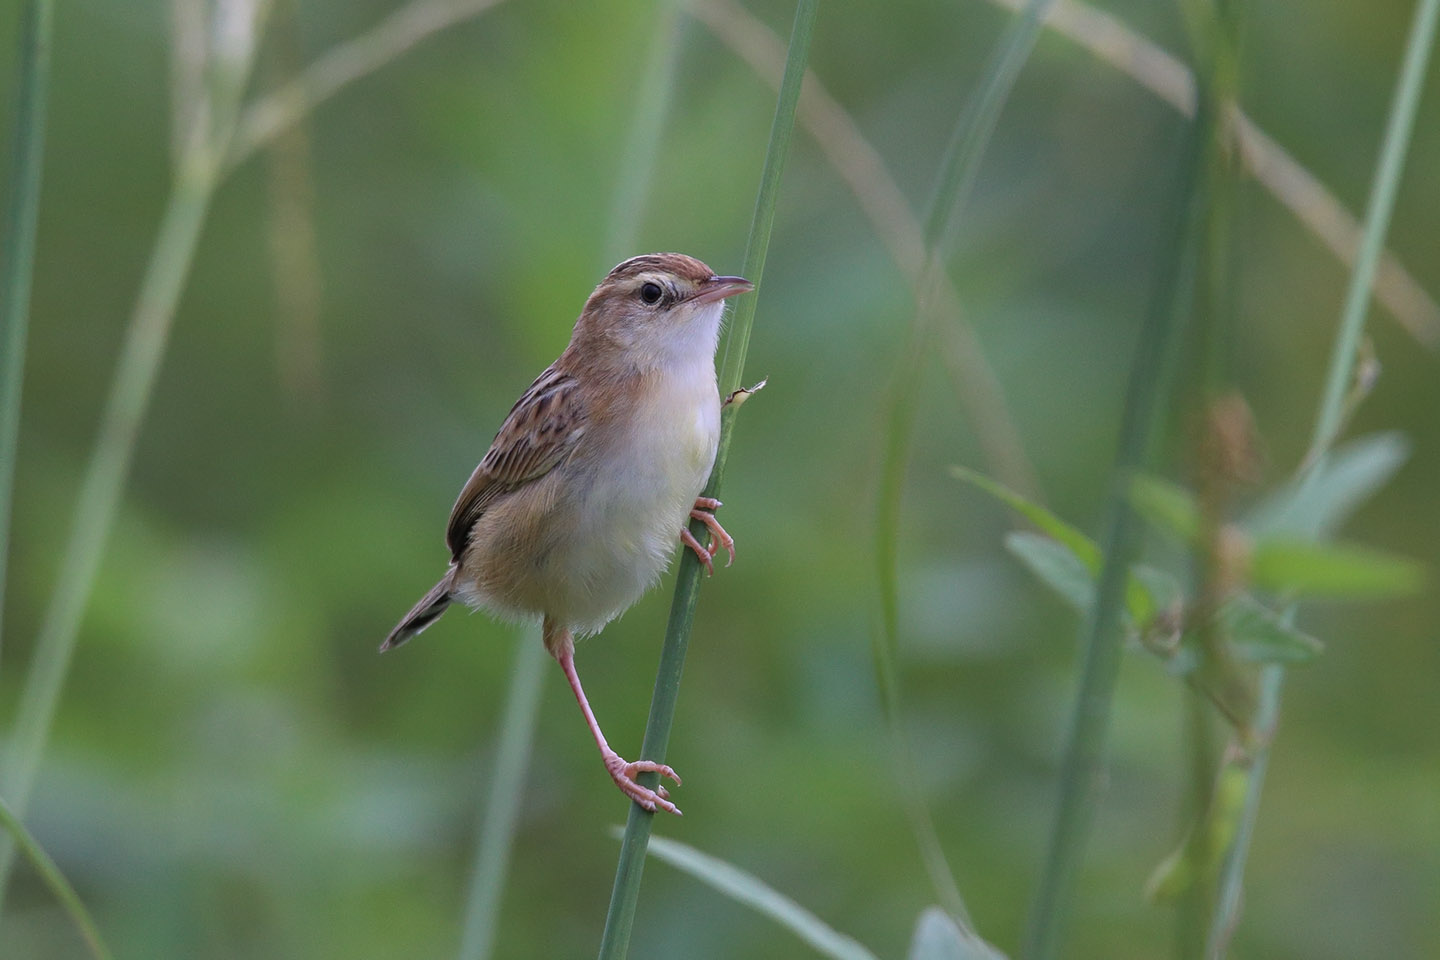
(541, 431)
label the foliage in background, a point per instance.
(222, 672)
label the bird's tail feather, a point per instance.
(424, 613)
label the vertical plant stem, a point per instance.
(235, 32)
(642, 146)
(1214, 38)
(507, 784)
(971, 136)
(958, 171)
(1101, 634)
(1193, 910)
(100, 495)
(22, 212)
(55, 880)
(619, 920)
(517, 727)
(1377, 222)
(1232, 870)
(1329, 420)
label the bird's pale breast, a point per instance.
(602, 527)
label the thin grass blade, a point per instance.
(502, 811)
(642, 145)
(56, 881)
(22, 214)
(958, 171)
(753, 892)
(140, 355)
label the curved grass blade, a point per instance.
(56, 881)
(1314, 205)
(1046, 522)
(958, 171)
(753, 892)
(938, 937)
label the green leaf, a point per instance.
(1333, 570)
(1080, 545)
(938, 937)
(1262, 636)
(1056, 566)
(1313, 508)
(1138, 601)
(1168, 506)
(748, 889)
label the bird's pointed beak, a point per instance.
(718, 288)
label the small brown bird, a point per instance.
(574, 511)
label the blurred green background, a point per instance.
(235, 773)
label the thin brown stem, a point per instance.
(341, 66)
(1299, 190)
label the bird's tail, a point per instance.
(424, 613)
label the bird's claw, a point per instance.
(624, 776)
(704, 512)
(688, 538)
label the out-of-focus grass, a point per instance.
(22, 206)
(228, 735)
(1335, 408)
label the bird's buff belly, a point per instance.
(537, 553)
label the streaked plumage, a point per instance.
(575, 509)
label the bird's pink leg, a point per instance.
(704, 511)
(621, 772)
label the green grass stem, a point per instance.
(1081, 774)
(619, 920)
(641, 147)
(971, 137)
(140, 356)
(1385, 186)
(958, 172)
(17, 272)
(1329, 421)
(1214, 29)
(100, 495)
(502, 812)
(522, 706)
(1232, 870)
(55, 880)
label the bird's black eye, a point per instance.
(650, 292)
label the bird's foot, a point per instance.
(704, 512)
(624, 776)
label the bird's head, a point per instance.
(658, 308)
